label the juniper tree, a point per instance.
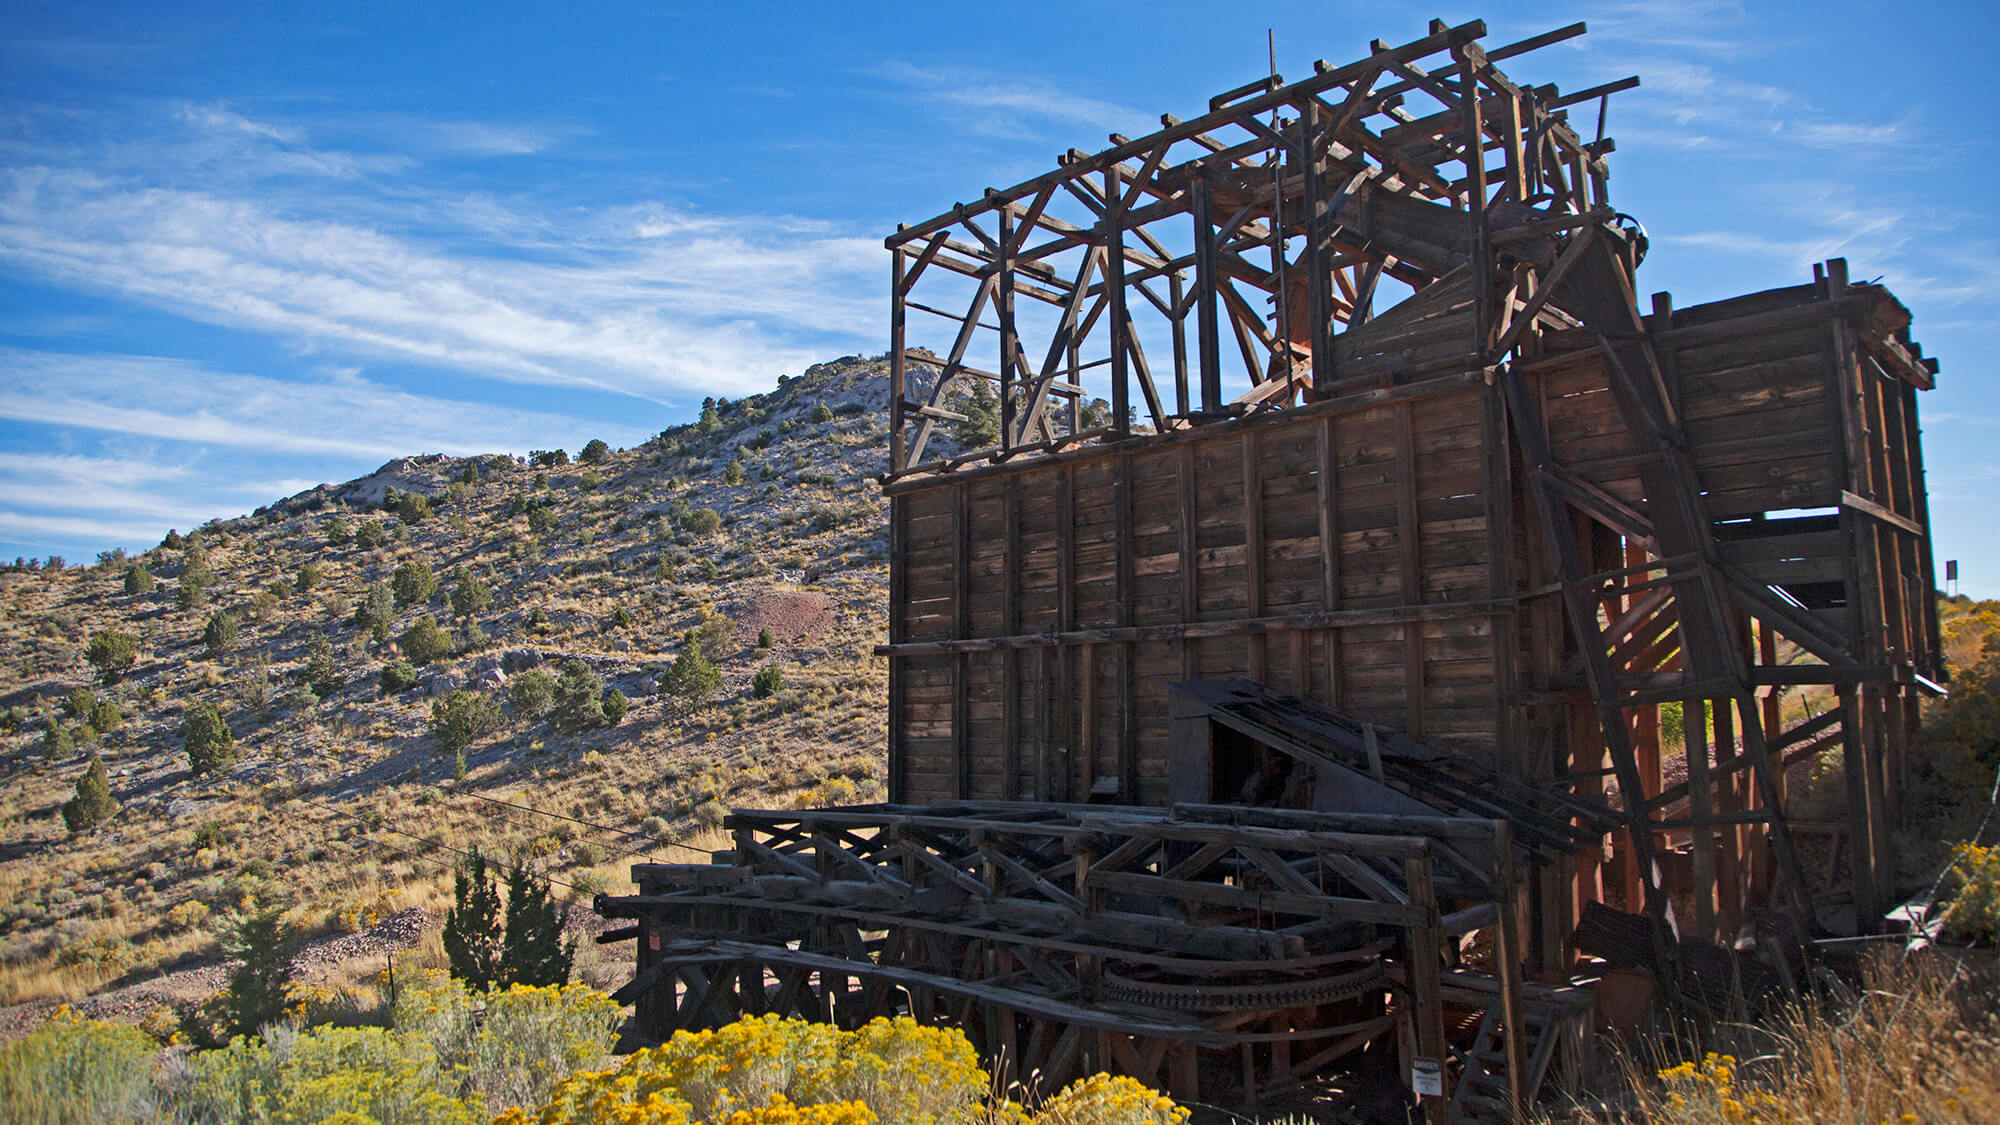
(472, 935)
(206, 738)
(112, 653)
(139, 580)
(93, 803)
(579, 698)
(691, 679)
(425, 642)
(322, 672)
(532, 693)
(256, 994)
(220, 634)
(533, 951)
(377, 609)
(469, 594)
(413, 583)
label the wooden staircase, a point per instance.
(1549, 1018)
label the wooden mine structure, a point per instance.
(1347, 527)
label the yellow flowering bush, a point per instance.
(896, 1071)
(1975, 911)
(511, 1047)
(72, 1070)
(351, 1075)
(1707, 1092)
(1104, 1099)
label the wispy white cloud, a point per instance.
(646, 299)
(152, 443)
(1005, 106)
(342, 413)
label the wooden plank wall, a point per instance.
(1363, 552)
(1049, 604)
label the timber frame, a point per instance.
(1339, 472)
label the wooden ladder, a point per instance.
(1482, 1094)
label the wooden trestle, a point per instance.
(1341, 388)
(1218, 952)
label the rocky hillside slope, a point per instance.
(754, 533)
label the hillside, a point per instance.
(344, 807)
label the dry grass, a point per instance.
(1921, 1043)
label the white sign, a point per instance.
(1427, 1077)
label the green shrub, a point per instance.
(533, 951)
(112, 653)
(139, 580)
(469, 595)
(472, 927)
(691, 679)
(595, 452)
(206, 738)
(371, 535)
(413, 507)
(209, 834)
(338, 530)
(220, 634)
(764, 638)
(263, 942)
(533, 693)
(579, 698)
(702, 522)
(769, 681)
(71, 1071)
(78, 702)
(615, 706)
(58, 745)
(413, 584)
(620, 619)
(460, 718)
(398, 676)
(821, 412)
(541, 521)
(732, 474)
(1974, 915)
(93, 803)
(425, 642)
(106, 715)
(376, 610)
(310, 575)
(322, 671)
(511, 1047)
(332, 1075)
(191, 592)
(981, 427)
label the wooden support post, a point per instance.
(1329, 552)
(1207, 276)
(1410, 558)
(1010, 692)
(1701, 810)
(961, 693)
(1127, 766)
(1507, 952)
(1010, 340)
(1729, 874)
(899, 584)
(1425, 953)
(1112, 231)
(1875, 702)
(1860, 825)
(1253, 546)
(898, 370)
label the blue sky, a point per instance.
(244, 249)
